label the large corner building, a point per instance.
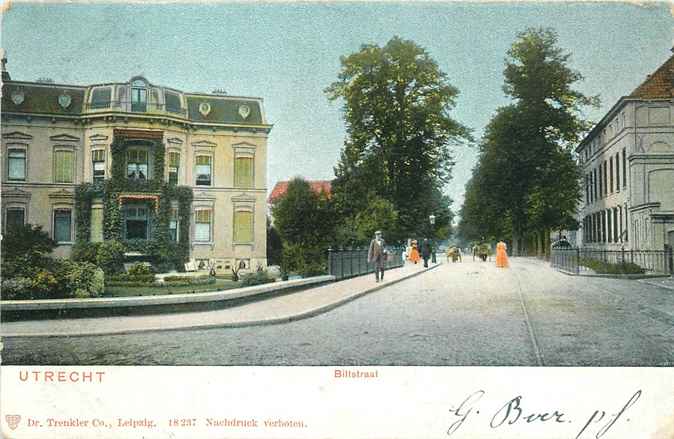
(157, 168)
(628, 167)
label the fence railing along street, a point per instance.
(585, 261)
(348, 263)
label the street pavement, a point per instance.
(467, 313)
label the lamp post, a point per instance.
(431, 219)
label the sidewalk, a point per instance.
(303, 304)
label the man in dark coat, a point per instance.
(376, 255)
(426, 251)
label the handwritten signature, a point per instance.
(515, 412)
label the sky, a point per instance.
(288, 53)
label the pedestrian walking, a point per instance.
(426, 251)
(501, 255)
(376, 255)
(414, 252)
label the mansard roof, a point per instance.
(69, 100)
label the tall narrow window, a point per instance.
(14, 217)
(609, 229)
(138, 96)
(137, 164)
(174, 225)
(617, 172)
(243, 226)
(616, 236)
(624, 169)
(136, 222)
(174, 167)
(64, 166)
(96, 229)
(622, 225)
(605, 178)
(202, 228)
(601, 182)
(594, 184)
(626, 224)
(16, 162)
(203, 170)
(98, 163)
(610, 182)
(243, 172)
(62, 225)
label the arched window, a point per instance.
(138, 95)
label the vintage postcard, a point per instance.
(337, 219)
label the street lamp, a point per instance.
(431, 219)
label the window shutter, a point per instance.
(243, 226)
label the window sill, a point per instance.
(65, 243)
(251, 243)
(203, 242)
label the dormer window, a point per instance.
(138, 95)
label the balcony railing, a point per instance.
(135, 107)
(349, 263)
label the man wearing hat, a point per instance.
(377, 255)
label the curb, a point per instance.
(264, 322)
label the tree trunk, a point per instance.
(516, 242)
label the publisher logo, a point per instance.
(13, 421)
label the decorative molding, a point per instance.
(204, 143)
(62, 194)
(63, 138)
(16, 193)
(204, 196)
(98, 138)
(17, 135)
(175, 140)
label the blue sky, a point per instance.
(287, 53)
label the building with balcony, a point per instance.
(172, 175)
(628, 170)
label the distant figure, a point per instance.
(426, 251)
(377, 255)
(414, 252)
(501, 255)
(474, 251)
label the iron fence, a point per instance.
(353, 262)
(586, 260)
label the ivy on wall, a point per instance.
(160, 248)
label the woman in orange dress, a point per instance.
(414, 253)
(501, 255)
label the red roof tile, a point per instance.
(318, 186)
(658, 85)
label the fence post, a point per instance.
(341, 263)
(330, 267)
(577, 261)
(632, 255)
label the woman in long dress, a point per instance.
(501, 255)
(414, 253)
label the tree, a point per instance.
(399, 132)
(274, 244)
(305, 221)
(526, 165)
(25, 251)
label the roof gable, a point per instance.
(318, 186)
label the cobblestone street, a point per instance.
(468, 313)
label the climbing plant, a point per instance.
(159, 247)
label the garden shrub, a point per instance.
(139, 270)
(139, 279)
(188, 279)
(110, 256)
(602, 267)
(257, 278)
(18, 288)
(80, 279)
(303, 260)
